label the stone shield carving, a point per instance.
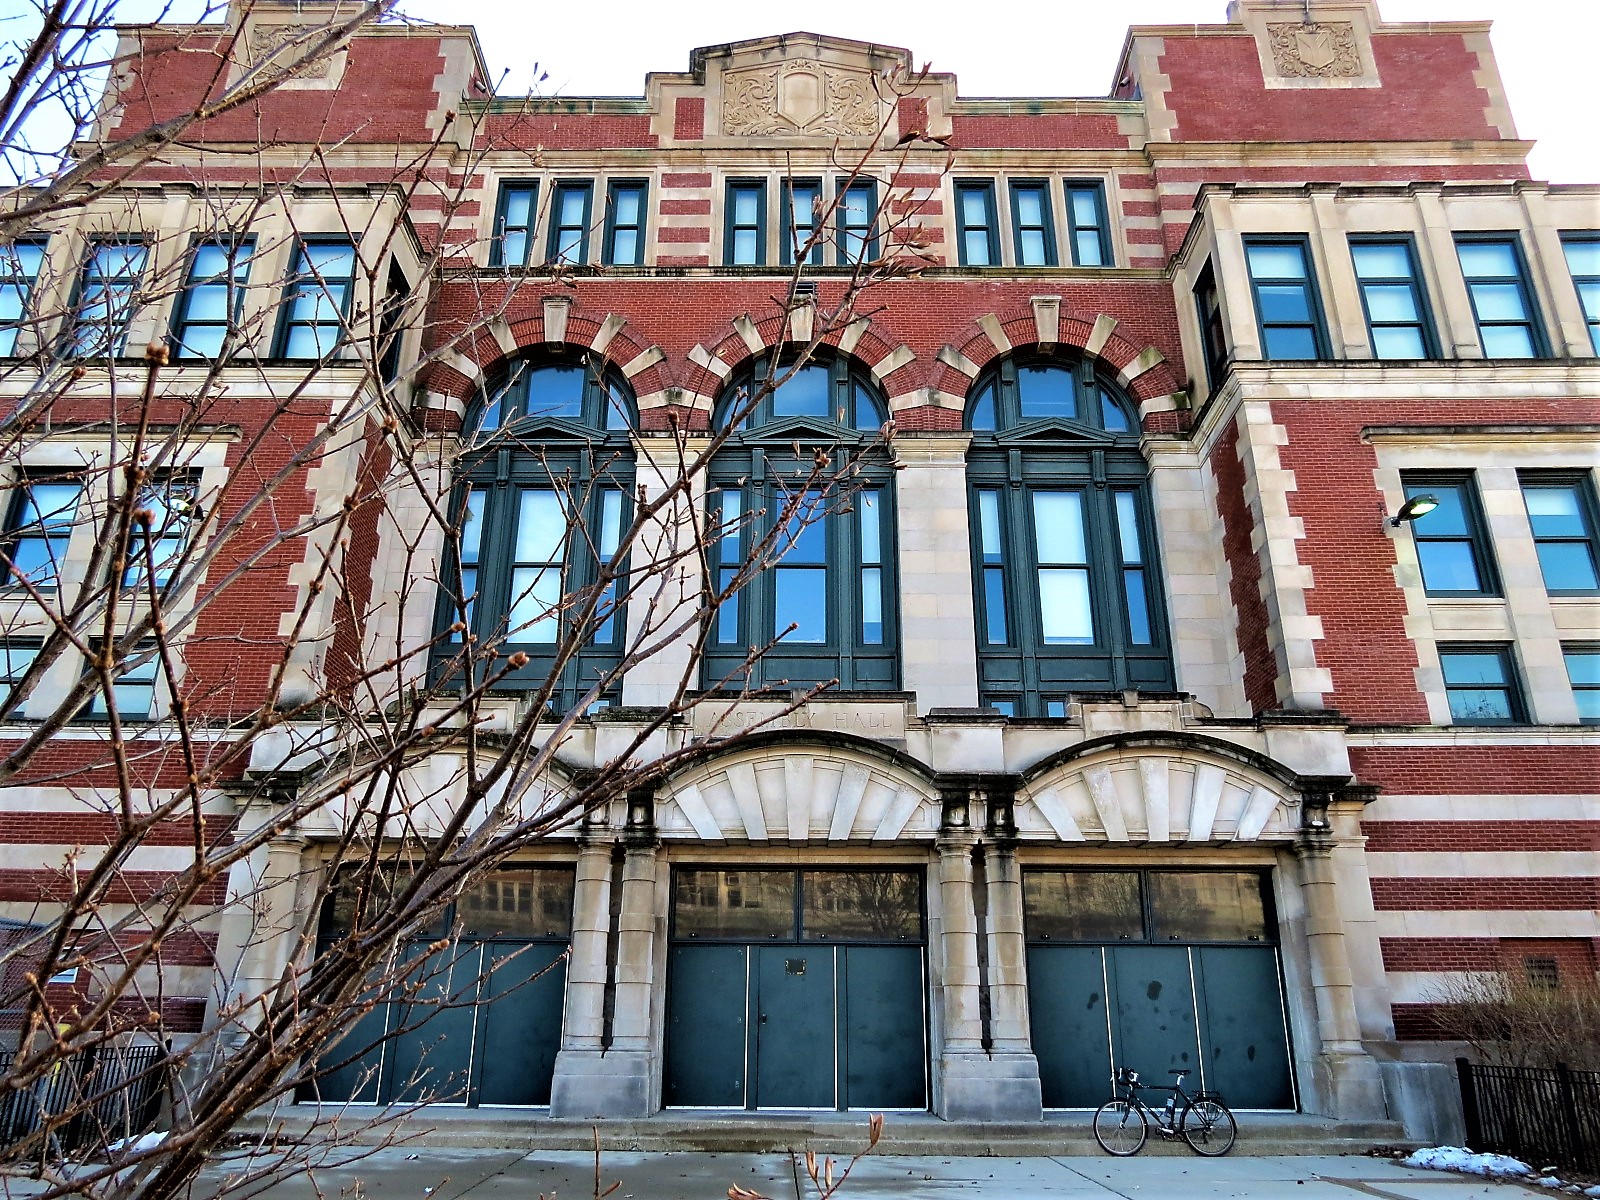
(1315, 51)
(267, 41)
(799, 98)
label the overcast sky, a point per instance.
(1546, 48)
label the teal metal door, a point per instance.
(429, 1054)
(882, 1034)
(1071, 1033)
(796, 1032)
(1246, 1047)
(708, 994)
(1153, 1021)
(521, 1022)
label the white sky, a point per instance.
(1546, 48)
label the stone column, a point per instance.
(1347, 1076)
(583, 1022)
(1016, 1067)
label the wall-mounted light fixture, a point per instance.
(1417, 506)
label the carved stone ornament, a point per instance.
(1315, 51)
(267, 40)
(798, 98)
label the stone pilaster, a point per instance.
(583, 1026)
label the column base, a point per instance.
(1353, 1086)
(595, 1083)
(1002, 1086)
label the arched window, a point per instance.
(542, 501)
(830, 569)
(1066, 575)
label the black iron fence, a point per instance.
(100, 1096)
(1546, 1116)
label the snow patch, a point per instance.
(1455, 1158)
(145, 1141)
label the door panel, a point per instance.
(430, 1058)
(706, 1033)
(1154, 1030)
(357, 1081)
(882, 1027)
(796, 1062)
(1247, 1058)
(519, 1026)
(1067, 1013)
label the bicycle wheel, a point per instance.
(1209, 1128)
(1120, 1128)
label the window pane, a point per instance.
(975, 247)
(1449, 518)
(1499, 302)
(1128, 528)
(804, 393)
(872, 606)
(1064, 601)
(1047, 392)
(870, 510)
(571, 215)
(1030, 206)
(994, 605)
(733, 904)
(1508, 341)
(1583, 256)
(1082, 906)
(1284, 303)
(989, 525)
(1398, 342)
(625, 246)
(1058, 526)
(1133, 587)
(983, 409)
(1112, 415)
(801, 599)
(861, 905)
(541, 527)
(1583, 667)
(472, 525)
(1085, 206)
(1477, 704)
(519, 207)
(1568, 566)
(1031, 248)
(1390, 302)
(556, 392)
(625, 205)
(1269, 260)
(1487, 259)
(746, 206)
(1291, 344)
(535, 601)
(1381, 260)
(518, 902)
(1555, 512)
(975, 206)
(1208, 906)
(744, 247)
(1449, 567)
(514, 250)
(1086, 245)
(1465, 667)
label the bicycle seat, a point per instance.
(1180, 1074)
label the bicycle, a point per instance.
(1122, 1123)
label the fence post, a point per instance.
(1569, 1115)
(1469, 1104)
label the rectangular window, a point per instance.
(1131, 555)
(746, 244)
(569, 221)
(1207, 906)
(1583, 672)
(1452, 549)
(20, 264)
(213, 297)
(605, 549)
(625, 216)
(1481, 684)
(1032, 231)
(1087, 226)
(1082, 906)
(317, 299)
(16, 656)
(133, 688)
(869, 511)
(727, 514)
(858, 211)
(1391, 296)
(1583, 261)
(107, 289)
(977, 225)
(469, 556)
(38, 527)
(800, 586)
(515, 216)
(991, 545)
(1067, 617)
(1561, 511)
(538, 559)
(1213, 338)
(172, 500)
(1287, 312)
(1497, 281)
(802, 209)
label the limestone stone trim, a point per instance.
(995, 332)
(792, 788)
(1329, 48)
(556, 309)
(1047, 319)
(953, 358)
(1144, 792)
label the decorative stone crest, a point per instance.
(798, 98)
(1315, 51)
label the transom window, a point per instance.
(788, 905)
(1066, 583)
(1140, 906)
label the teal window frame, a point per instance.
(188, 328)
(568, 234)
(309, 295)
(986, 231)
(20, 265)
(1455, 659)
(1044, 228)
(734, 227)
(1576, 540)
(137, 678)
(1213, 329)
(173, 500)
(97, 329)
(839, 546)
(616, 190)
(518, 198)
(1105, 567)
(25, 524)
(569, 460)
(795, 233)
(1441, 539)
(856, 195)
(1583, 673)
(1271, 324)
(1084, 235)
(1584, 267)
(1480, 287)
(17, 657)
(1376, 287)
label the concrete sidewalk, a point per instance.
(435, 1173)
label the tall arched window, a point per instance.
(543, 499)
(830, 570)
(1066, 576)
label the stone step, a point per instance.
(759, 1133)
